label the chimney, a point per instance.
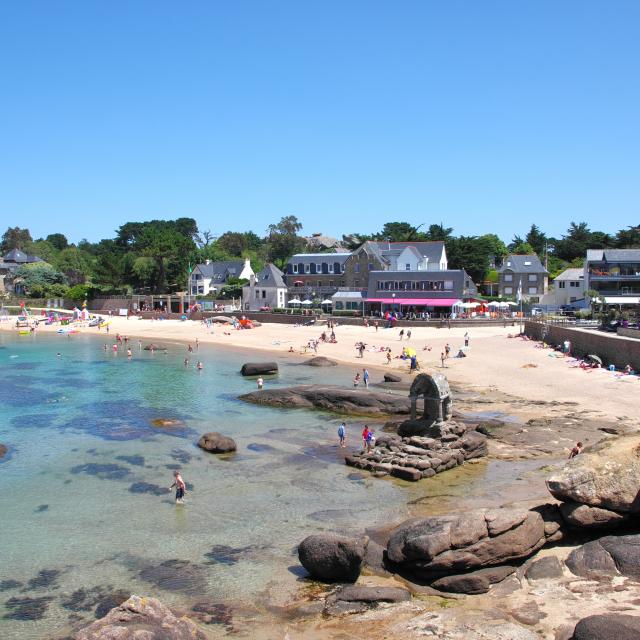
(207, 261)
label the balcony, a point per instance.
(320, 291)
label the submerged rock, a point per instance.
(155, 346)
(608, 476)
(176, 575)
(141, 618)
(214, 442)
(335, 399)
(3, 450)
(332, 558)
(321, 361)
(27, 608)
(259, 368)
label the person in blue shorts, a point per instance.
(180, 486)
(342, 434)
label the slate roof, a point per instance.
(570, 274)
(270, 276)
(20, 257)
(522, 264)
(386, 250)
(221, 270)
(613, 255)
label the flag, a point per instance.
(519, 295)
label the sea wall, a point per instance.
(612, 348)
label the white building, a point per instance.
(267, 289)
(568, 287)
(212, 276)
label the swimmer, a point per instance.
(199, 366)
(129, 354)
(260, 382)
(58, 355)
(186, 362)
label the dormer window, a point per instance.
(527, 263)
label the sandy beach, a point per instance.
(495, 361)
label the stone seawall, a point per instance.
(612, 348)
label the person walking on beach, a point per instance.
(365, 377)
(401, 334)
(576, 450)
(466, 339)
(408, 334)
(260, 382)
(388, 356)
(375, 324)
(180, 486)
(342, 434)
(447, 349)
(442, 359)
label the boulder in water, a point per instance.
(320, 361)
(141, 618)
(259, 368)
(332, 558)
(214, 442)
(392, 377)
(3, 450)
(155, 346)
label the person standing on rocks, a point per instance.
(576, 450)
(370, 442)
(180, 486)
(365, 435)
(342, 434)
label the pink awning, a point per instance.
(417, 302)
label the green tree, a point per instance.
(283, 240)
(44, 250)
(628, 238)
(58, 240)
(400, 232)
(439, 232)
(470, 253)
(537, 240)
(16, 238)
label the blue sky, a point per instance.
(484, 115)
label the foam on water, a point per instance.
(85, 511)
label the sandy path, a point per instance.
(512, 366)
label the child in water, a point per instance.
(180, 486)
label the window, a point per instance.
(574, 284)
(407, 267)
(319, 283)
(448, 285)
(264, 293)
(533, 289)
(307, 268)
(356, 283)
(533, 277)
(331, 283)
(330, 268)
(318, 268)
(295, 268)
(508, 291)
(561, 284)
(357, 267)
(257, 294)
(370, 265)
(508, 277)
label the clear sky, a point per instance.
(485, 115)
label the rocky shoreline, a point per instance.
(552, 569)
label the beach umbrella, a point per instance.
(494, 303)
(307, 302)
(595, 358)
(511, 304)
(327, 301)
(294, 301)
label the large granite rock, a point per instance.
(259, 368)
(355, 599)
(583, 516)
(606, 477)
(155, 346)
(609, 626)
(141, 619)
(608, 556)
(438, 546)
(328, 398)
(391, 377)
(475, 582)
(214, 442)
(332, 558)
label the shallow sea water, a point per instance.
(83, 507)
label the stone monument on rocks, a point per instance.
(425, 444)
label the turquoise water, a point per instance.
(83, 508)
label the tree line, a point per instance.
(156, 256)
